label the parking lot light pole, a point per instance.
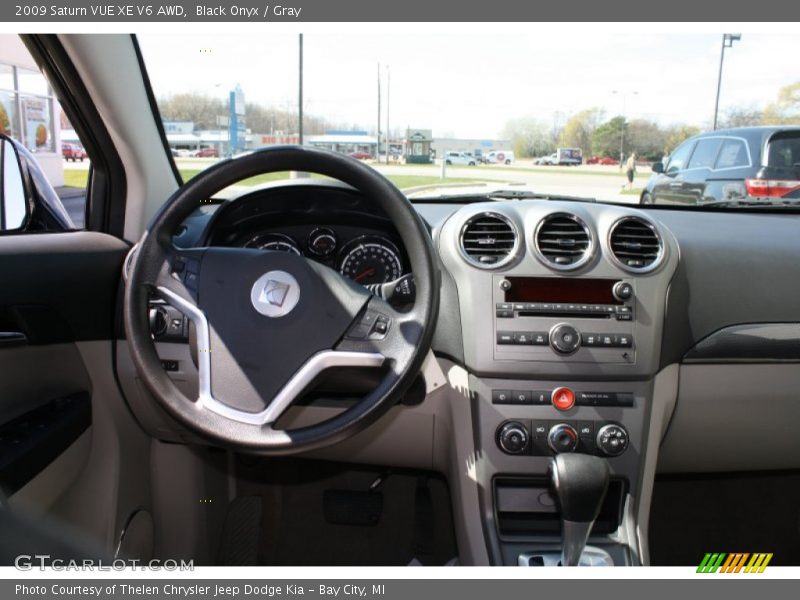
(622, 128)
(727, 42)
(388, 83)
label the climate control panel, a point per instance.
(527, 437)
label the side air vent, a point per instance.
(488, 240)
(563, 241)
(635, 244)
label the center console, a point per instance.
(561, 307)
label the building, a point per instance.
(346, 142)
(29, 112)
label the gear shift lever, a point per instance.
(580, 482)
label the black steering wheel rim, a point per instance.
(151, 264)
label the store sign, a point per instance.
(36, 123)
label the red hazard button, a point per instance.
(563, 398)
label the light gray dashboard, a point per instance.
(481, 292)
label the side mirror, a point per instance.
(14, 208)
(27, 200)
(658, 167)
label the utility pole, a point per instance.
(388, 84)
(378, 135)
(300, 96)
(622, 127)
(727, 42)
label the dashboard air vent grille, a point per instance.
(563, 241)
(488, 240)
(635, 244)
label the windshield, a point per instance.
(657, 119)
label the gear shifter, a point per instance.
(580, 482)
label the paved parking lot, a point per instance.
(593, 181)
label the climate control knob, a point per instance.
(562, 438)
(512, 437)
(612, 439)
(564, 338)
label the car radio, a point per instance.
(549, 318)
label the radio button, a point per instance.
(504, 314)
(505, 337)
(504, 306)
(565, 339)
(540, 338)
(523, 338)
(624, 341)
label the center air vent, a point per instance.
(563, 241)
(489, 240)
(635, 244)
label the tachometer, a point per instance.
(273, 241)
(371, 260)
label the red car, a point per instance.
(207, 153)
(360, 155)
(72, 152)
(601, 160)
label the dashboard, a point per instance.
(573, 326)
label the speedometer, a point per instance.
(371, 260)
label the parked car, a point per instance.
(601, 160)
(459, 158)
(360, 155)
(207, 153)
(73, 152)
(745, 163)
(505, 157)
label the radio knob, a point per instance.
(612, 439)
(564, 338)
(622, 291)
(562, 438)
(512, 437)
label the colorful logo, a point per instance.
(736, 562)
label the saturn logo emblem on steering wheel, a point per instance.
(275, 294)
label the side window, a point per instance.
(31, 114)
(733, 153)
(677, 160)
(704, 154)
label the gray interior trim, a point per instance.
(665, 394)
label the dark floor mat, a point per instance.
(295, 530)
(726, 513)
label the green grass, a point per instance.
(78, 178)
(632, 192)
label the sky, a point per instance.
(470, 85)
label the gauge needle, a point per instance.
(367, 273)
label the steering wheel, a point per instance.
(268, 323)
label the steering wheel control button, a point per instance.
(513, 437)
(275, 294)
(565, 339)
(563, 398)
(562, 438)
(612, 439)
(622, 291)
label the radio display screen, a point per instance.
(561, 290)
